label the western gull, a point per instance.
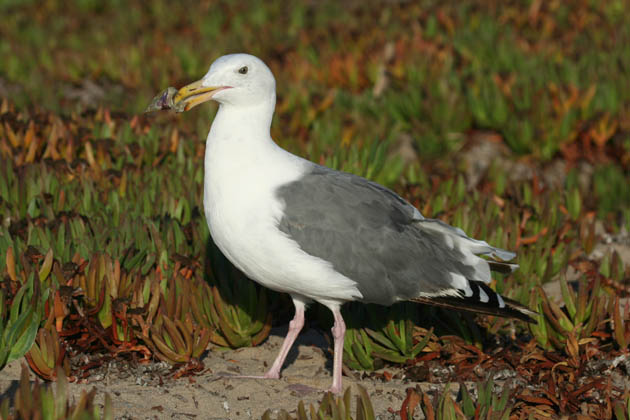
(320, 234)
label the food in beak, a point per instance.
(165, 100)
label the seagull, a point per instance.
(319, 234)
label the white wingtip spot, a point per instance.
(483, 297)
(501, 301)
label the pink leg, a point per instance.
(338, 332)
(295, 326)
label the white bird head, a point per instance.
(234, 79)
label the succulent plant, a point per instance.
(395, 341)
(157, 311)
(42, 402)
(392, 340)
(241, 325)
(47, 354)
(619, 319)
(94, 287)
(582, 314)
(110, 293)
(19, 321)
(204, 312)
(331, 408)
(234, 307)
(487, 405)
(176, 297)
(176, 341)
(150, 294)
(622, 407)
(442, 407)
(358, 351)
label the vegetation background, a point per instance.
(509, 119)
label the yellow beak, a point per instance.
(194, 94)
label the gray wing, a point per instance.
(374, 237)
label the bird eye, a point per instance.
(243, 70)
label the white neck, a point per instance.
(242, 122)
(243, 165)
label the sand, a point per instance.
(137, 393)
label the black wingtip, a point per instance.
(495, 304)
(520, 312)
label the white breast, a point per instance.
(241, 177)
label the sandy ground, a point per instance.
(137, 394)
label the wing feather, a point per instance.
(376, 238)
